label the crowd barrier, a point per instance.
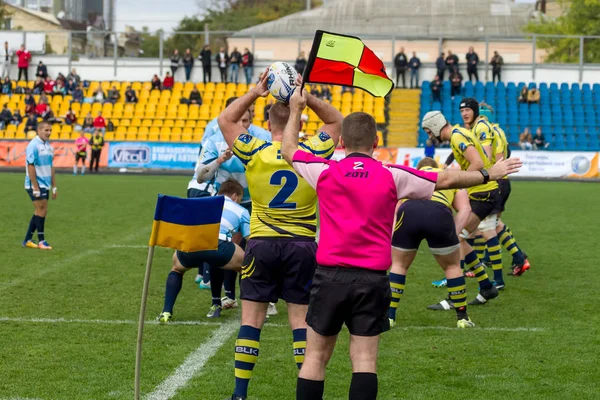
(183, 156)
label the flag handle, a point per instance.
(140, 335)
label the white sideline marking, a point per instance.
(216, 323)
(194, 362)
(128, 246)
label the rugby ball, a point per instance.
(281, 81)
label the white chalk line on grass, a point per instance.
(217, 323)
(194, 363)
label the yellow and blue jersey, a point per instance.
(460, 141)
(445, 196)
(487, 136)
(502, 145)
(283, 203)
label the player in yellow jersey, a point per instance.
(520, 263)
(432, 220)
(469, 154)
(280, 257)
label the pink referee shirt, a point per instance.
(357, 199)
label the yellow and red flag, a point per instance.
(345, 60)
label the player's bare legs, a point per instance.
(312, 375)
(254, 313)
(235, 264)
(363, 354)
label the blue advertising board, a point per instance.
(158, 155)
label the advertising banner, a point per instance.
(12, 153)
(153, 155)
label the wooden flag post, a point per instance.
(138, 353)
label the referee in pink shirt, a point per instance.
(357, 197)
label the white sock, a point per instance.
(83, 169)
(75, 169)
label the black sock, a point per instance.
(39, 225)
(363, 386)
(216, 282)
(31, 228)
(174, 281)
(309, 390)
(230, 277)
(206, 273)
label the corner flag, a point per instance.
(345, 60)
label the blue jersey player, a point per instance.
(228, 256)
(39, 183)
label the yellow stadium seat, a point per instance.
(142, 136)
(143, 129)
(21, 135)
(209, 87)
(147, 122)
(9, 135)
(165, 130)
(200, 86)
(66, 128)
(164, 137)
(128, 114)
(131, 136)
(171, 115)
(176, 130)
(186, 137)
(169, 123)
(198, 131)
(136, 86)
(176, 137)
(121, 129)
(55, 129)
(150, 114)
(160, 114)
(190, 123)
(157, 122)
(146, 86)
(119, 136)
(118, 107)
(153, 137)
(187, 131)
(154, 130)
(109, 136)
(136, 122)
(125, 122)
(380, 119)
(54, 136)
(201, 124)
(179, 86)
(180, 123)
(197, 137)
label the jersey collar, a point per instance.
(358, 155)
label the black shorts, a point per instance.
(357, 297)
(482, 204)
(197, 193)
(80, 156)
(278, 268)
(429, 220)
(215, 258)
(500, 205)
(44, 194)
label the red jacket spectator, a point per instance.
(49, 85)
(24, 57)
(100, 122)
(168, 82)
(41, 108)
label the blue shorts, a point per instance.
(215, 258)
(44, 194)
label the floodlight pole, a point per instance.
(138, 353)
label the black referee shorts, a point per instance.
(504, 185)
(483, 204)
(357, 297)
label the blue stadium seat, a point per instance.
(594, 143)
(543, 86)
(558, 143)
(531, 85)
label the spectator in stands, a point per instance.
(78, 94)
(401, 64)
(235, 60)
(205, 58)
(17, 118)
(248, 64)
(61, 78)
(73, 75)
(451, 63)
(168, 82)
(539, 142)
(496, 63)
(415, 65)
(110, 127)
(533, 96)
(436, 89)
(195, 97)
(155, 82)
(29, 104)
(113, 95)
(440, 65)
(70, 117)
(175, 60)
(130, 96)
(326, 92)
(32, 123)
(99, 96)
(472, 61)
(188, 64)
(88, 123)
(456, 83)
(100, 123)
(38, 86)
(6, 55)
(59, 89)
(300, 64)
(41, 71)
(5, 116)
(49, 85)
(7, 86)
(222, 60)
(525, 140)
(70, 86)
(24, 57)
(42, 109)
(523, 95)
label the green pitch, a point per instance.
(68, 331)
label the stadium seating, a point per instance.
(567, 115)
(160, 116)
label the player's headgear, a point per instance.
(435, 122)
(472, 104)
(487, 113)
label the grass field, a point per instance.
(68, 330)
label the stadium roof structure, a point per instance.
(404, 18)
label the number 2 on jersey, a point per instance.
(289, 180)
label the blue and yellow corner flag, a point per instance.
(187, 224)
